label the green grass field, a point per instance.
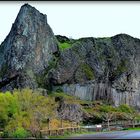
(136, 128)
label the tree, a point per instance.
(129, 113)
(3, 111)
(28, 109)
(107, 117)
(108, 114)
(8, 107)
(46, 110)
(41, 109)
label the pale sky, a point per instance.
(79, 19)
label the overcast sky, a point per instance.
(79, 19)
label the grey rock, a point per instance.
(79, 90)
(42, 91)
(72, 112)
(101, 69)
(27, 50)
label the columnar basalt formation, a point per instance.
(101, 69)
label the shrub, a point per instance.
(125, 108)
(20, 133)
(1, 134)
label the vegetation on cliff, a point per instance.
(63, 46)
(25, 112)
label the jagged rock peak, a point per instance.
(28, 10)
(28, 49)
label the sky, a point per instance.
(79, 19)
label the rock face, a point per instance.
(27, 51)
(89, 68)
(72, 112)
(101, 69)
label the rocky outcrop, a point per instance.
(28, 50)
(101, 69)
(70, 111)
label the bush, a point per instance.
(126, 108)
(20, 133)
(1, 134)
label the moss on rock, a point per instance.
(88, 71)
(63, 46)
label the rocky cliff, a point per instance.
(90, 68)
(27, 51)
(100, 69)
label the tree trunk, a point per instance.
(48, 123)
(115, 120)
(71, 123)
(61, 123)
(108, 125)
(133, 123)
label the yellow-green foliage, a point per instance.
(8, 107)
(126, 108)
(56, 123)
(64, 45)
(98, 110)
(20, 132)
(25, 109)
(107, 108)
